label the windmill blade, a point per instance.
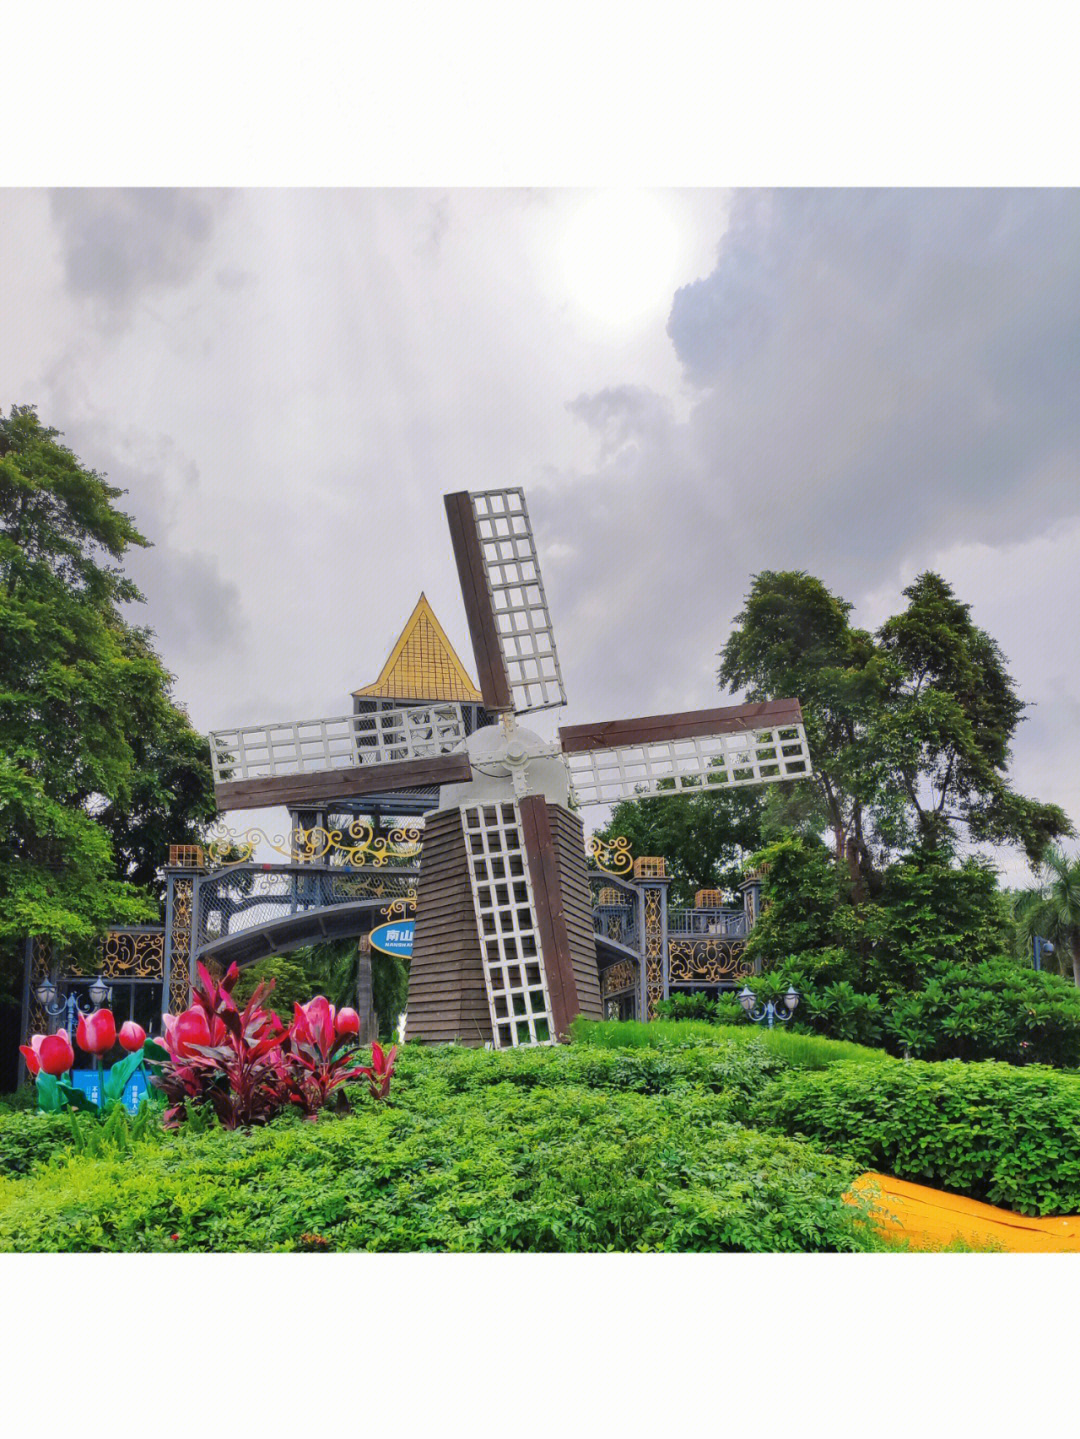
(509, 622)
(525, 946)
(686, 753)
(317, 761)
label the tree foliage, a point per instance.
(1052, 910)
(99, 767)
(705, 838)
(909, 729)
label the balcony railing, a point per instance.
(724, 923)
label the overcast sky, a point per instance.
(690, 385)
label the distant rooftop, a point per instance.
(423, 665)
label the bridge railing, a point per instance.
(245, 896)
(616, 909)
(728, 923)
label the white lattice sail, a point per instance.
(309, 746)
(522, 620)
(510, 951)
(681, 766)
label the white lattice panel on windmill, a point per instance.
(506, 922)
(517, 596)
(307, 746)
(680, 766)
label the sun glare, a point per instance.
(619, 255)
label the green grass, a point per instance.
(801, 1051)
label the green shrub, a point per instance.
(995, 1132)
(723, 1066)
(25, 1097)
(28, 1139)
(780, 1044)
(502, 1167)
(993, 1010)
(688, 1006)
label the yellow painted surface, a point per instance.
(932, 1219)
(423, 665)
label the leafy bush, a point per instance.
(781, 1044)
(688, 1006)
(222, 1055)
(501, 1167)
(993, 1010)
(991, 1131)
(28, 1139)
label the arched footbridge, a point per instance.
(246, 912)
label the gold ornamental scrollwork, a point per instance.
(654, 974)
(180, 957)
(41, 961)
(399, 908)
(132, 956)
(619, 977)
(613, 856)
(707, 961)
(357, 846)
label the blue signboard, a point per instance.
(394, 938)
(87, 1081)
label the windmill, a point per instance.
(504, 948)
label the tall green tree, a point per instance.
(86, 712)
(705, 838)
(1053, 910)
(909, 729)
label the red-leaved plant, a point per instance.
(249, 1066)
(224, 1056)
(319, 1056)
(381, 1070)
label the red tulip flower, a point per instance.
(29, 1052)
(48, 1053)
(56, 1054)
(347, 1022)
(96, 1033)
(132, 1036)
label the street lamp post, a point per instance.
(1040, 947)
(46, 993)
(770, 1013)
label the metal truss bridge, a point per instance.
(246, 912)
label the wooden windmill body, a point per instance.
(504, 948)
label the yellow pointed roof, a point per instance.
(423, 664)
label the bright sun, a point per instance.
(619, 255)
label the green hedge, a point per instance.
(28, 1139)
(493, 1166)
(1010, 1136)
(809, 1051)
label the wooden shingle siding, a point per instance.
(447, 994)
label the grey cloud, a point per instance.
(873, 374)
(625, 415)
(877, 367)
(232, 277)
(117, 243)
(189, 605)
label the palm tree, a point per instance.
(1054, 909)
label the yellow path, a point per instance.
(931, 1218)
